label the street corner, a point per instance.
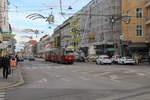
(15, 79)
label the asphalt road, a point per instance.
(81, 81)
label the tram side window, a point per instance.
(69, 53)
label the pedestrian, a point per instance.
(17, 59)
(1, 61)
(149, 59)
(136, 59)
(5, 64)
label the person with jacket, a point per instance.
(149, 59)
(5, 64)
(1, 61)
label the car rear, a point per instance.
(106, 60)
(129, 60)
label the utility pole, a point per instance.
(61, 6)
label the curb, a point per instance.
(15, 84)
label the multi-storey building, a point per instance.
(4, 24)
(134, 32)
(29, 49)
(147, 6)
(100, 27)
(69, 33)
(75, 31)
(65, 37)
(44, 45)
(6, 37)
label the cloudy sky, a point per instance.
(19, 9)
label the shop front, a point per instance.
(139, 49)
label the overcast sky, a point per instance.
(19, 9)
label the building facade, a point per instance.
(7, 45)
(5, 27)
(147, 6)
(75, 32)
(43, 46)
(30, 49)
(135, 32)
(100, 27)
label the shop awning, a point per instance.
(111, 49)
(137, 45)
(107, 49)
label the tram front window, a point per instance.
(69, 52)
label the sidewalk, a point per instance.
(13, 80)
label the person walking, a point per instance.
(149, 59)
(136, 59)
(1, 66)
(5, 64)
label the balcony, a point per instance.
(148, 20)
(147, 3)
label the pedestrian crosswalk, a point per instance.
(2, 95)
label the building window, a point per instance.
(139, 13)
(139, 30)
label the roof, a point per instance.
(32, 42)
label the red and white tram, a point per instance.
(60, 55)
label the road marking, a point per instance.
(65, 79)
(34, 67)
(114, 78)
(104, 73)
(58, 76)
(27, 68)
(83, 78)
(56, 67)
(129, 71)
(41, 67)
(2, 95)
(44, 80)
(140, 74)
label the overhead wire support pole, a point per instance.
(61, 6)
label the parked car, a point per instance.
(115, 59)
(126, 60)
(92, 58)
(25, 57)
(31, 58)
(103, 59)
(20, 58)
(80, 59)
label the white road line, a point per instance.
(65, 79)
(40, 67)
(27, 68)
(83, 78)
(105, 73)
(129, 71)
(2, 95)
(34, 67)
(140, 74)
(57, 67)
(58, 76)
(44, 80)
(114, 78)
